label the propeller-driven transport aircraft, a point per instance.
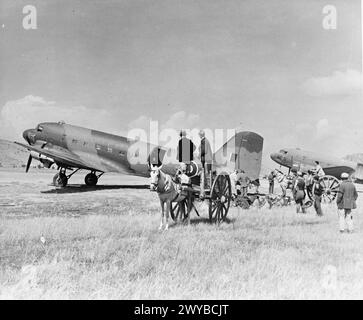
(302, 160)
(73, 148)
(305, 160)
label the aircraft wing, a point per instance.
(61, 156)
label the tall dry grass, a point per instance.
(259, 254)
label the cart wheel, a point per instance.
(331, 188)
(179, 210)
(220, 198)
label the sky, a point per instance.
(265, 66)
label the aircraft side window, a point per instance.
(98, 147)
(122, 153)
(109, 149)
(74, 141)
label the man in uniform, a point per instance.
(317, 191)
(185, 148)
(299, 192)
(309, 181)
(346, 201)
(244, 180)
(206, 157)
(319, 170)
(271, 182)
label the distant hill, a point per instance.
(12, 155)
(356, 157)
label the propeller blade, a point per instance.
(29, 162)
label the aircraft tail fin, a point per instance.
(243, 151)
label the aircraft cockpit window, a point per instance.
(40, 129)
(283, 151)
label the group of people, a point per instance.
(185, 155)
(311, 182)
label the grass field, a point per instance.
(104, 244)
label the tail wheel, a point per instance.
(220, 198)
(60, 180)
(331, 188)
(91, 179)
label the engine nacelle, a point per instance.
(46, 161)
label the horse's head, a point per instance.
(154, 177)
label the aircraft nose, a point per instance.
(29, 136)
(275, 157)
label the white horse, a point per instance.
(167, 191)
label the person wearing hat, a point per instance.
(309, 181)
(271, 181)
(244, 181)
(299, 192)
(317, 191)
(318, 169)
(185, 148)
(206, 157)
(346, 201)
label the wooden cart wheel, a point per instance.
(179, 210)
(331, 188)
(220, 198)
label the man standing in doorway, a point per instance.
(346, 201)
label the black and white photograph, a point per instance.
(192, 151)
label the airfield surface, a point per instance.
(103, 243)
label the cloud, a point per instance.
(339, 83)
(178, 120)
(323, 129)
(19, 115)
(25, 113)
(181, 119)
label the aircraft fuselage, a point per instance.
(305, 160)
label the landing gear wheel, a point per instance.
(60, 180)
(179, 210)
(91, 179)
(220, 198)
